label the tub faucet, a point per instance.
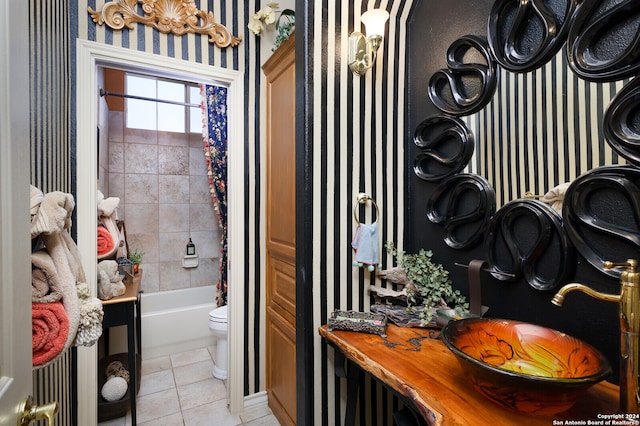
(629, 301)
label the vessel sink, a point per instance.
(522, 366)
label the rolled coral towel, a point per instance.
(106, 245)
(45, 283)
(107, 217)
(49, 331)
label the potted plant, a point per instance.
(136, 256)
(429, 286)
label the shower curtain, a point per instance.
(214, 107)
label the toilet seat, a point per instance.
(219, 314)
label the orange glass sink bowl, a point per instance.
(522, 366)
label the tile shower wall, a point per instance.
(161, 179)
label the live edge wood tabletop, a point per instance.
(424, 371)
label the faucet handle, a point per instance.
(630, 264)
(629, 276)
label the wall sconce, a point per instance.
(362, 49)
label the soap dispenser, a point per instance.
(190, 260)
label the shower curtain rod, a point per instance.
(142, 98)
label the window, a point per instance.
(169, 109)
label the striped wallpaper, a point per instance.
(50, 91)
(51, 158)
(546, 125)
(356, 144)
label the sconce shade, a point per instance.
(362, 49)
(374, 21)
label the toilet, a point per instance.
(220, 329)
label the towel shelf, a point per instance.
(125, 310)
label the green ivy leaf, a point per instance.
(431, 281)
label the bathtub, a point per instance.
(176, 321)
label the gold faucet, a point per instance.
(629, 300)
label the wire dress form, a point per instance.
(366, 240)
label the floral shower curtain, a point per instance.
(214, 107)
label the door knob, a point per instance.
(29, 413)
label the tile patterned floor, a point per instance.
(179, 389)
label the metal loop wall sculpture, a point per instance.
(602, 44)
(524, 35)
(178, 17)
(463, 204)
(604, 40)
(622, 122)
(602, 214)
(465, 87)
(445, 147)
(526, 239)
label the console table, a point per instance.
(125, 310)
(428, 379)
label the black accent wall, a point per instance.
(432, 27)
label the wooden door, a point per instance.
(281, 234)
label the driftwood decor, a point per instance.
(177, 17)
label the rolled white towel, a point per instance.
(107, 206)
(53, 215)
(555, 197)
(36, 199)
(45, 282)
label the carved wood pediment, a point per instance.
(176, 17)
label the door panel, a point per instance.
(15, 244)
(282, 294)
(280, 233)
(282, 367)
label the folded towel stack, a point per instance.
(57, 275)
(109, 280)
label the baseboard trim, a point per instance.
(255, 400)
